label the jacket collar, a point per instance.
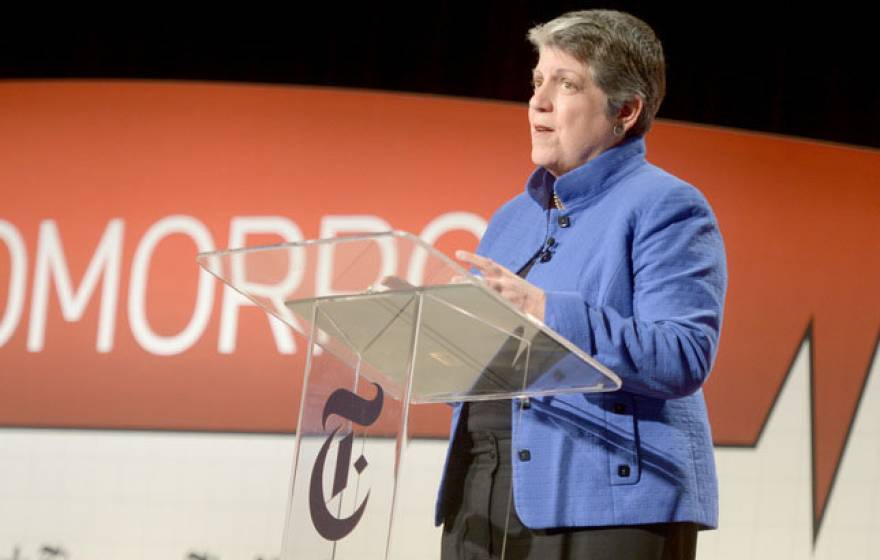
(590, 179)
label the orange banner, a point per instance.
(110, 188)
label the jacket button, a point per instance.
(546, 256)
(564, 221)
(623, 471)
(619, 408)
(524, 455)
(525, 403)
(551, 242)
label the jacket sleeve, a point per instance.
(666, 349)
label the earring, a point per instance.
(618, 129)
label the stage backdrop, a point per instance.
(119, 358)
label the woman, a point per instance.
(626, 261)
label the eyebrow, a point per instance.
(559, 71)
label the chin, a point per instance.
(550, 166)
(540, 159)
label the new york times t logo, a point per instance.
(360, 411)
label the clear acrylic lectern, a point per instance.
(391, 322)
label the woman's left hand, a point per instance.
(520, 292)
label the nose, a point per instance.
(540, 100)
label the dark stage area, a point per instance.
(801, 72)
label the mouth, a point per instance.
(541, 128)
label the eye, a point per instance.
(536, 82)
(568, 85)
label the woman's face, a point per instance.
(567, 113)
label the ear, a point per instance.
(629, 112)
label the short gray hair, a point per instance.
(623, 54)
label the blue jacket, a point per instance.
(637, 280)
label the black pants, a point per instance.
(476, 500)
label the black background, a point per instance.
(800, 71)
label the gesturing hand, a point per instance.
(521, 293)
